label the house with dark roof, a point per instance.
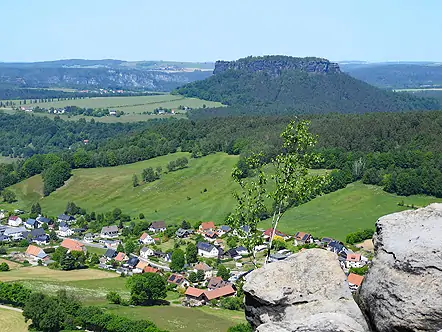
(158, 226)
(242, 232)
(232, 254)
(216, 282)
(89, 237)
(2, 229)
(178, 279)
(15, 233)
(242, 250)
(145, 252)
(302, 238)
(41, 240)
(42, 220)
(224, 229)
(109, 232)
(338, 248)
(326, 240)
(66, 218)
(277, 257)
(183, 233)
(207, 250)
(4, 238)
(65, 231)
(132, 262)
(37, 232)
(31, 223)
(110, 254)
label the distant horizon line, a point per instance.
(213, 61)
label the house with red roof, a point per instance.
(267, 234)
(146, 239)
(72, 245)
(302, 238)
(208, 271)
(207, 226)
(354, 281)
(219, 293)
(210, 235)
(35, 253)
(121, 257)
(355, 260)
(195, 296)
(14, 221)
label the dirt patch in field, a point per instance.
(366, 245)
(44, 273)
(12, 265)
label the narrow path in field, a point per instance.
(10, 308)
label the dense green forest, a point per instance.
(400, 151)
(297, 92)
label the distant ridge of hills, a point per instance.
(288, 85)
(397, 75)
(87, 74)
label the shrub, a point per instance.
(4, 267)
(359, 270)
(2, 251)
(113, 297)
(360, 236)
(231, 303)
(245, 327)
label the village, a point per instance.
(204, 264)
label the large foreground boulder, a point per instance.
(306, 292)
(403, 289)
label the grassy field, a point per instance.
(353, 208)
(176, 196)
(180, 195)
(40, 273)
(12, 321)
(178, 318)
(132, 106)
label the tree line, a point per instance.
(64, 312)
(343, 139)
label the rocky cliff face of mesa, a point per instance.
(276, 64)
(403, 289)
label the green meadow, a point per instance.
(203, 191)
(133, 107)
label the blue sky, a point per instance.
(194, 30)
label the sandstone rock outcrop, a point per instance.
(306, 292)
(403, 289)
(274, 64)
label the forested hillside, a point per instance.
(387, 145)
(282, 87)
(397, 75)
